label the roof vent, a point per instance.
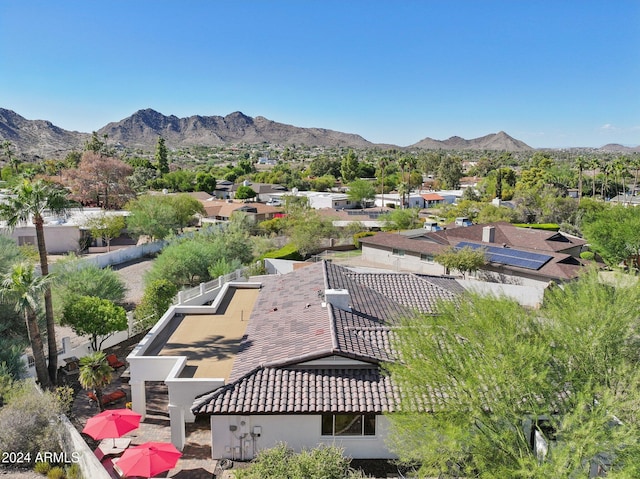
(488, 234)
(338, 298)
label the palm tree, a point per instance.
(23, 287)
(594, 164)
(620, 169)
(382, 165)
(30, 200)
(95, 373)
(581, 164)
(635, 166)
(607, 169)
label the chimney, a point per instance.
(338, 298)
(488, 234)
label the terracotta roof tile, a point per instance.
(303, 391)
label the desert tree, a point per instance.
(613, 233)
(360, 191)
(30, 201)
(484, 376)
(106, 227)
(100, 180)
(464, 260)
(94, 317)
(401, 219)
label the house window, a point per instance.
(428, 258)
(348, 425)
(397, 252)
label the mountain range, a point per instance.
(42, 139)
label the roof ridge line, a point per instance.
(332, 317)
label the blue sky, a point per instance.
(552, 73)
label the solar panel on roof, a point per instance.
(509, 256)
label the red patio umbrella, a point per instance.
(112, 423)
(148, 459)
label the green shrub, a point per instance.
(362, 234)
(288, 251)
(56, 473)
(323, 462)
(588, 255)
(74, 472)
(539, 226)
(42, 468)
(27, 420)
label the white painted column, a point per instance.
(178, 434)
(138, 397)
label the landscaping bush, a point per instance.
(42, 468)
(588, 255)
(56, 473)
(362, 234)
(539, 226)
(288, 251)
(73, 472)
(28, 421)
(323, 462)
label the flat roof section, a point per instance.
(211, 341)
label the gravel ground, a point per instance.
(133, 273)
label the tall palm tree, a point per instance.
(95, 373)
(22, 287)
(620, 169)
(581, 164)
(29, 201)
(382, 165)
(635, 166)
(594, 164)
(607, 169)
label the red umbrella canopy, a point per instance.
(148, 459)
(112, 423)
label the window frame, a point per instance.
(367, 425)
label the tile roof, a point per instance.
(432, 197)
(293, 390)
(289, 326)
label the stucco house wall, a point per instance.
(298, 431)
(408, 262)
(59, 238)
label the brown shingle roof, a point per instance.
(562, 266)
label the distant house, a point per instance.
(221, 210)
(65, 233)
(627, 199)
(263, 190)
(319, 199)
(292, 358)
(432, 200)
(517, 255)
(369, 218)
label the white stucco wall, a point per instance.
(298, 431)
(58, 238)
(406, 263)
